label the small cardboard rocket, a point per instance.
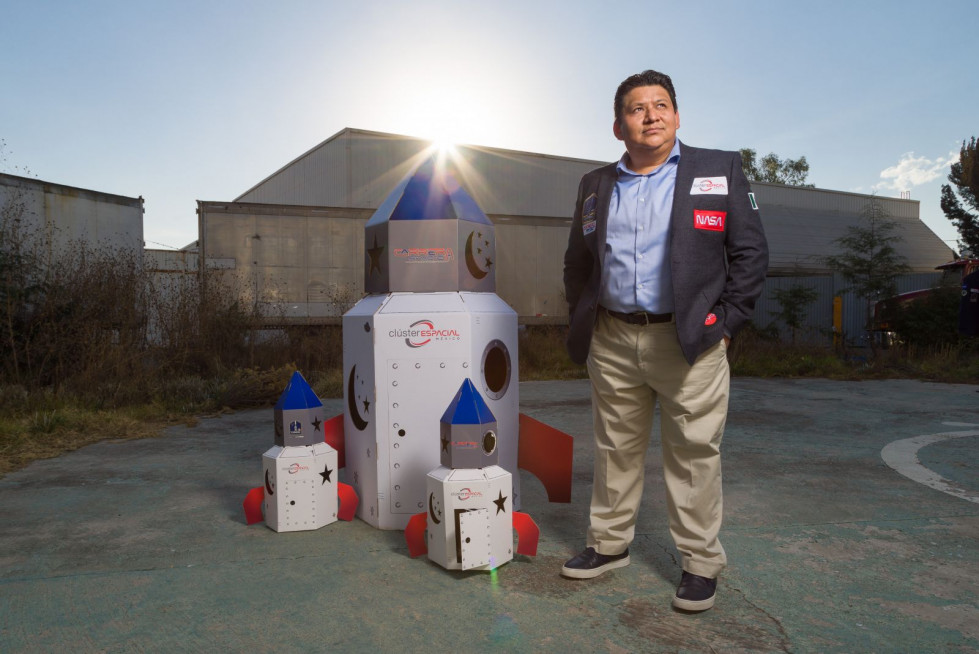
(302, 489)
(470, 517)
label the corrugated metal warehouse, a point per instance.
(295, 241)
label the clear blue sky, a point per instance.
(183, 101)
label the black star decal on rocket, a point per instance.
(366, 406)
(317, 424)
(489, 262)
(375, 254)
(445, 444)
(500, 503)
(326, 473)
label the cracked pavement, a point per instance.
(142, 546)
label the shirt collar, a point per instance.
(674, 158)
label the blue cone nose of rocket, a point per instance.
(468, 407)
(429, 192)
(429, 235)
(425, 196)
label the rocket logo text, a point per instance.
(422, 333)
(466, 493)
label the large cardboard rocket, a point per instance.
(431, 320)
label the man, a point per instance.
(665, 260)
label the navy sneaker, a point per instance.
(590, 564)
(695, 593)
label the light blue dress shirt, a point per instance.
(637, 251)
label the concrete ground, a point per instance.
(142, 546)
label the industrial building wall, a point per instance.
(818, 317)
(307, 263)
(357, 169)
(64, 216)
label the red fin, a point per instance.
(333, 436)
(415, 534)
(548, 454)
(253, 505)
(348, 501)
(528, 533)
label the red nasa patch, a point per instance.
(711, 319)
(710, 220)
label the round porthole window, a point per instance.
(489, 442)
(496, 369)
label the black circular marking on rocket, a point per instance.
(293, 502)
(431, 509)
(401, 433)
(489, 442)
(367, 326)
(268, 484)
(471, 264)
(496, 369)
(359, 423)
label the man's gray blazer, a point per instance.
(718, 253)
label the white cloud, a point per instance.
(913, 171)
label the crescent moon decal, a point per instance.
(431, 509)
(359, 422)
(268, 484)
(474, 269)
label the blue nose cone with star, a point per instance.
(468, 431)
(298, 415)
(429, 235)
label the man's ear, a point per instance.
(616, 129)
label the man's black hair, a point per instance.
(645, 78)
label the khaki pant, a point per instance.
(631, 367)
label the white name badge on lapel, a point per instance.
(709, 186)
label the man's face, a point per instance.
(648, 122)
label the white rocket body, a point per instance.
(470, 517)
(300, 487)
(405, 355)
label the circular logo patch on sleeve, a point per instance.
(711, 319)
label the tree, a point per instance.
(770, 168)
(868, 261)
(965, 177)
(792, 303)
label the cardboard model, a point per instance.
(470, 508)
(301, 472)
(432, 320)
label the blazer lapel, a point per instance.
(681, 189)
(605, 185)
